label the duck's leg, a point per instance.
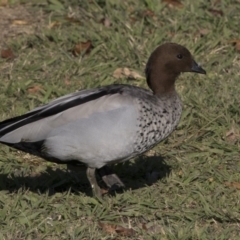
(106, 174)
(93, 181)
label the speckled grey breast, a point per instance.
(157, 119)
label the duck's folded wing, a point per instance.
(38, 123)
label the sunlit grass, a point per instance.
(191, 198)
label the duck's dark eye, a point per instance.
(179, 56)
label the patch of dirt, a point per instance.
(18, 19)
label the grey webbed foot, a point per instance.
(110, 178)
(112, 181)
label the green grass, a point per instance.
(191, 198)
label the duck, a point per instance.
(107, 124)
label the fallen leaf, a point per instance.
(34, 89)
(155, 229)
(170, 34)
(211, 180)
(67, 82)
(150, 31)
(233, 184)
(204, 31)
(236, 43)
(133, 19)
(118, 73)
(215, 12)
(151, 228)
(144, 226)
(148, 13)
(220, 167)
(81, 47)
(53, 24)
(233, 135)
(73, 20)
(125, 231)
(108, 228)
(3, 2)
(106, 22)
(173, 3)
(201, 32)
(19, 22)
(150, 153)
(7, 53)
(180, 173)
(125, 72)
(113, 229)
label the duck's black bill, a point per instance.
(198, 69)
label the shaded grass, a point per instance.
(190, 200)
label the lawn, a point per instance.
(188, 187)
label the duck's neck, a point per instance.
(166, 96)
(163, 86)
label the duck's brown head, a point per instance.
(166, 63)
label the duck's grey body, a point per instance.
(96, 126)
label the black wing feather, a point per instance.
(48, 110)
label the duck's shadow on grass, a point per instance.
(134, 174)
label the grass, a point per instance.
(185, 188)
